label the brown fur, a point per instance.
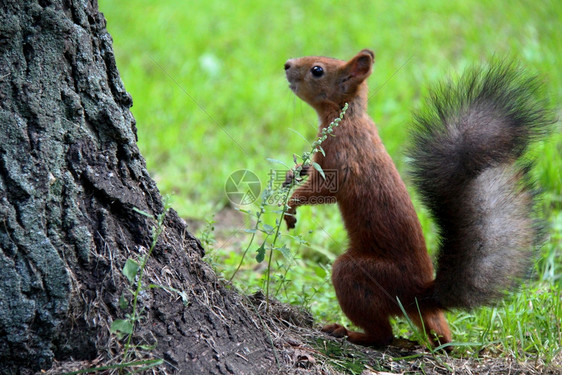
(387, 257)
(464, 165)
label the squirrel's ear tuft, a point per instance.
(368, 52)
(359, 67)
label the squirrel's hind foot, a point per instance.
(335, 330)
(358, 338)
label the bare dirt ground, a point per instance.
(293, 344)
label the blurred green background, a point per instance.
(209, 89)
(210, 98)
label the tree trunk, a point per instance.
(70, 176)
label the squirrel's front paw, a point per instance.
(291, 220)
(289, 177)
(295, 176)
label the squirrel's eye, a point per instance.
(317, 71)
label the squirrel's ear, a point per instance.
(359, 68)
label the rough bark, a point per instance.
(70, 176)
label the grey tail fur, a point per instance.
(468, 165)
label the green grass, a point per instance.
(210, 98)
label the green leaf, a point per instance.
(285, 251)
(130, 270)
(299, 134)
(268, 229)
(144, 213)
(319, 169)
(122, 325)
(123, 302)
(319, 271)
(147, 347)
(261, 253)
(278, 162)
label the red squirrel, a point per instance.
(464, 165)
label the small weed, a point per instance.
(124, 328)
(278, 198)
(133, 271)
(207, 236)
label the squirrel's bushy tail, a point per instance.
(466, 164)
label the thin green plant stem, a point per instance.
(316, 147)
(286, 194)
(276, 236)
(256, 227)
(283, 284)
(155, 235)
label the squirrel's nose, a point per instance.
(288, 65)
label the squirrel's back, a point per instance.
(466, 162)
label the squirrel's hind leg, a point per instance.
(435, 324)
(362, 299)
